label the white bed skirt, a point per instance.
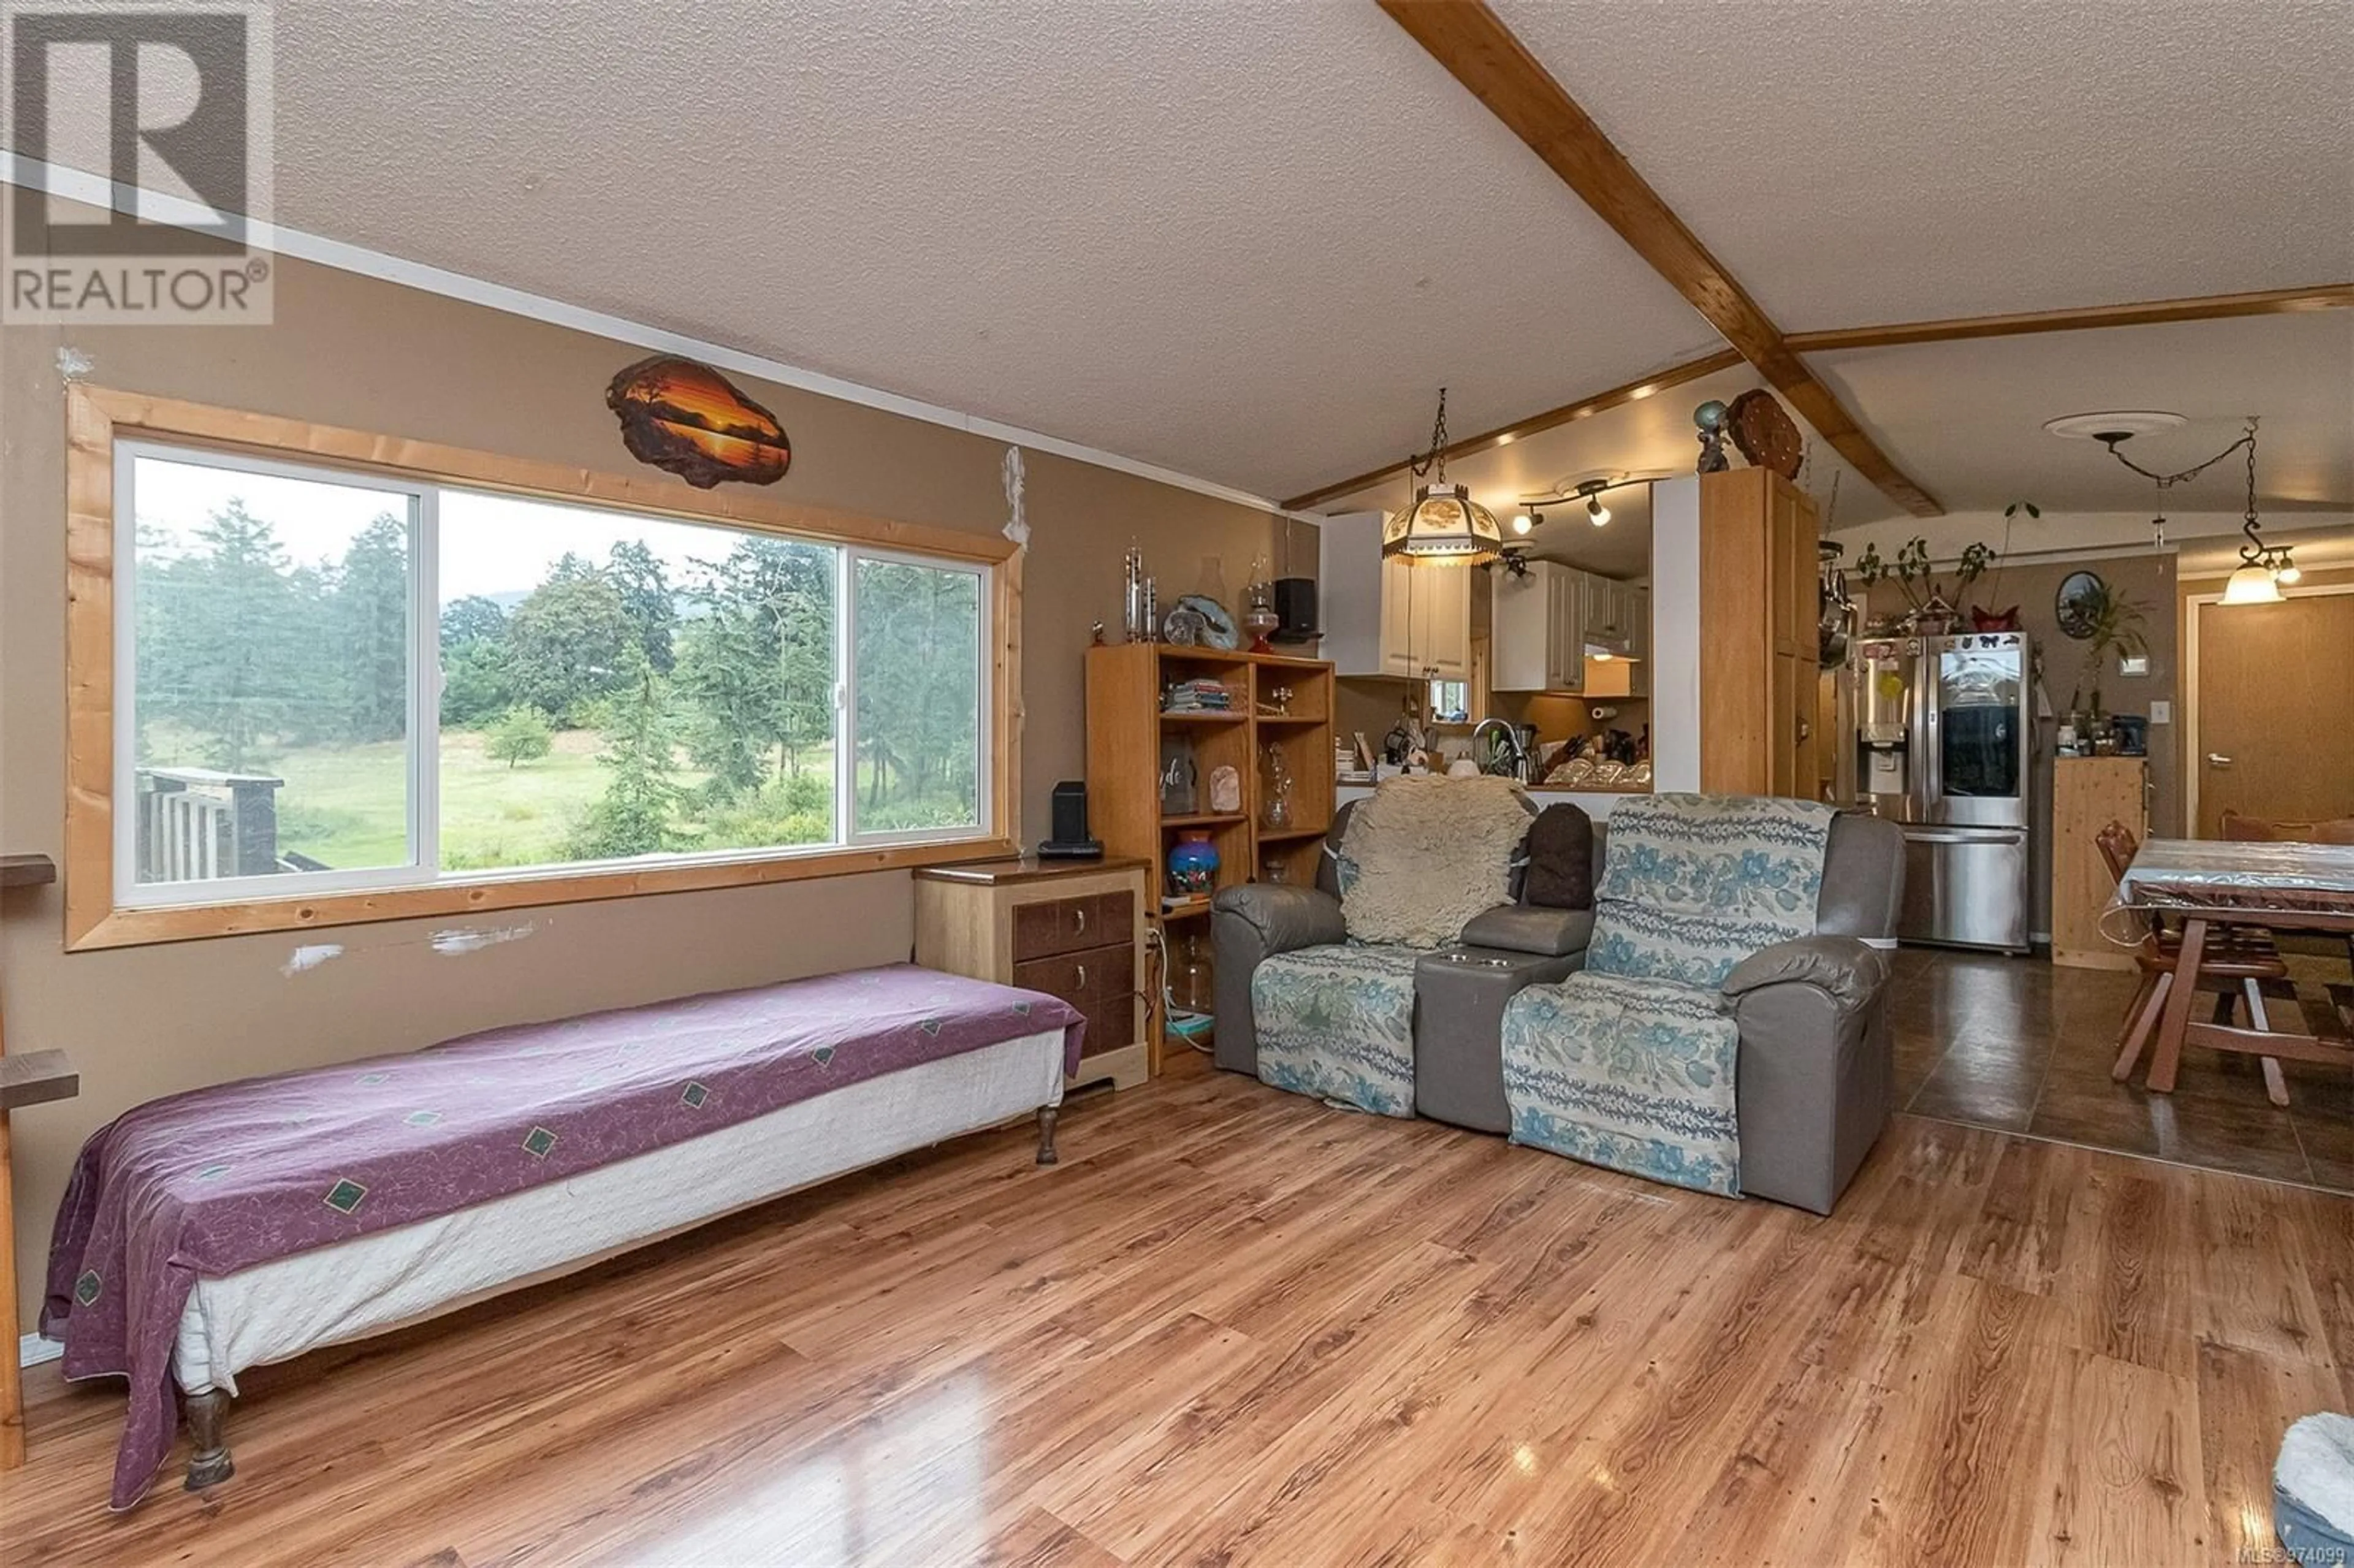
(278, 1311)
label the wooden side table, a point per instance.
(1072, 928)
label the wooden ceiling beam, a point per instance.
(1505, 434)
(1479, 51)
(2145, 313)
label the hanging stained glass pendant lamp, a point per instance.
(1444, 526)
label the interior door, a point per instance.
(2276, 736)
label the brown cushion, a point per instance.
(1560, 859)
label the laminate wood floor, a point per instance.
(1235, 1326)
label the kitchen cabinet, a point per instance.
(1386, 618)
(1537, 636)
(2088, 793)
(1639, 649)
(1756, 637)
(1548, 620)
(1610, 615)
(1425, 623)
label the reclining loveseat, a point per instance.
(1815, 1077)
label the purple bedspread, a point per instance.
(202, 1184)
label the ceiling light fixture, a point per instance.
(2251, 584)
(2262, 567)
(1596, 511)
(1444, 526)
(2113, 424)
(1526, 519)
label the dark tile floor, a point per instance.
(2018, 1044)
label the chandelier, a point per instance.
(1444, 526)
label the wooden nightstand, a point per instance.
(1071, 929)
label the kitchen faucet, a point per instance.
(1507, 756)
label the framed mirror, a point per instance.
(2078, 605)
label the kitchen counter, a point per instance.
(1595, 803)
(1588, 789)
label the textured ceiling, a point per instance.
(1248, 242)
(1867, 161)
(1966, 418)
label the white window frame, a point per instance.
(845, 791)
(423, 871)
(423, 694)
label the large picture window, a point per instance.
(330, 680)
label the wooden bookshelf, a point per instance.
(1127, 731)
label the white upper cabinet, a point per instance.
(1384, 617)
(1537, 638)
(1550, 618)
(1640, 645)
(1609, 613)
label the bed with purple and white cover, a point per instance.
(248, 1222)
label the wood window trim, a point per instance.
(96, 417)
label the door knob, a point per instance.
(2217, 759)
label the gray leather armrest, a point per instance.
(1249, 924)
(1526, 928)
(1286, 918)
(1845, 968)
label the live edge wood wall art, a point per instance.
(690, 420)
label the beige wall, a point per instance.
(353, 352)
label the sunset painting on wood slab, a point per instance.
(690, 420)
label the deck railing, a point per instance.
(195, 825)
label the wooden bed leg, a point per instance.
(210, 1465)
(1046, 1115)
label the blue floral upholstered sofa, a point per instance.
(1806, 1016)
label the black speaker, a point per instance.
(1071, 841)
(1295, 602)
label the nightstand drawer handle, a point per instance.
(1079, 918)
(1083, 974)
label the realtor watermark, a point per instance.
(148, 123)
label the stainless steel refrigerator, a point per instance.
(1944, 744)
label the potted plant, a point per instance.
(2118, 630)
(1928, 604)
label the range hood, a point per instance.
(1609, 674)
